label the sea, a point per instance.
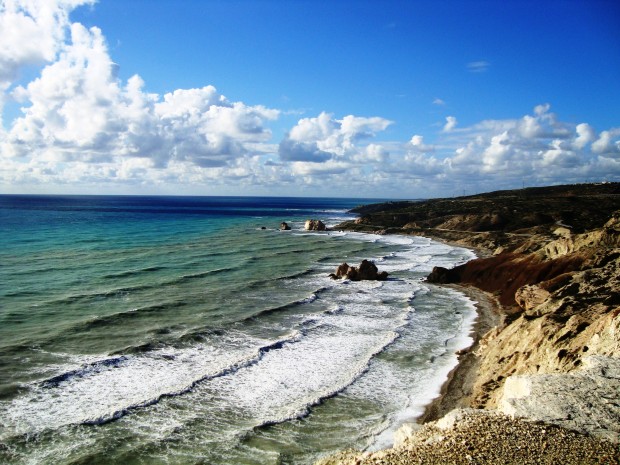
(192, 330)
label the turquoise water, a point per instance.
(178, 330)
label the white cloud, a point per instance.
(585, 135)
(81, 126)
(450, 123)
(439, 102)
(608, 143)
(478, 66)
(541, 109)
(418, 145)
(325, 138)
(32, 32)
(529, 127)
(78, 111)
(560, 154)
(496, 154)
(536, 149)
(372, 153)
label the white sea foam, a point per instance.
(94, 394)
(334, 335)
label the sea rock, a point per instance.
(441, 275)
(314, 225)
(367, 271)
(284, 226)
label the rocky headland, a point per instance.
(546, 355)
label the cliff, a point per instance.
(551, 258)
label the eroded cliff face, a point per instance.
(559, 317)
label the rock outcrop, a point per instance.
(584, 400)
(314, 225)
(366, 271)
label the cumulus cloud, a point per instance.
(585, 135)
(81, 126)
(325, 138)
(78, 112)
(537, 149)
(608, 144)
(450, 123)
(418, 145)
(31, 32)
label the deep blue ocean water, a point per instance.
(192, 330)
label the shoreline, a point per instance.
(456, 390)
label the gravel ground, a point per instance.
(483, 437)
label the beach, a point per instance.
(457, 390)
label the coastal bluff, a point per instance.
(543, 384)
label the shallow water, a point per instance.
(176, 330)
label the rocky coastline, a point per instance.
(541, 383)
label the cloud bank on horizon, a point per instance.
(83, 129)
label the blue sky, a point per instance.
(351, 98)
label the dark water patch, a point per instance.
(140, 349)
(202, 274)
(129, 273)
(9, 391)
(101, 295)
(85, 370)
(261, 283)
(285, 307)
(22, 293)
(301, 274)
(114, 293)
(121, 317)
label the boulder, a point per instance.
(441, 275)
(367, 271)
(531, 296)
(315, 225)
(284, 226)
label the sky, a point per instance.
(344, 98)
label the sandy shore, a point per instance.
(456, 391)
